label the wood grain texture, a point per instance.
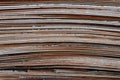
(60, 40)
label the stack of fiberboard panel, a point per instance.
(59, 39)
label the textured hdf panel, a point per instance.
(59, 39)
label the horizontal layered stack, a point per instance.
(60, 40)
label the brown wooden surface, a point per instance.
(59, 39)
